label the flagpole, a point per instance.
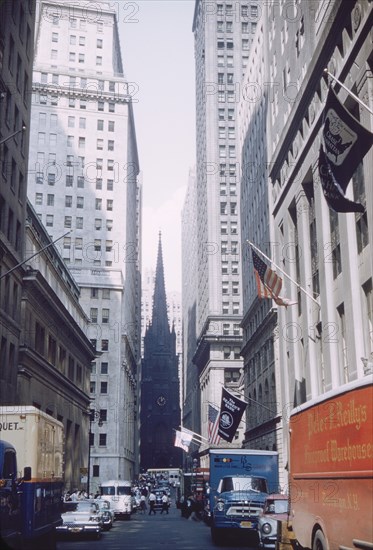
(283, 272)
(194, 434)
(356, 98)
(36, 254)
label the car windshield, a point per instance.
(243, 484)
(80, 507)
(277, 506)
(124, 490)
(110, 490)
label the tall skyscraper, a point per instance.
(83, 184)
(223, 35)
(160, 400)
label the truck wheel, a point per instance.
(319, 542)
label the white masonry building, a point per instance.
(83, 183)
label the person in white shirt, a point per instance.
(165, 503)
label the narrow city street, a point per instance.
(144, 532)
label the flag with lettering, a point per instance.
(345, 142)
(231, 412)
(269, 284)
(183, 440)
(213, 425)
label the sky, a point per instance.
(158, 56)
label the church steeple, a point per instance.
(160, 388)
(159, 324)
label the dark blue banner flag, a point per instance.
(231, 411)
(344, 144)
(332, 192)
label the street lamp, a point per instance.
(93, 416)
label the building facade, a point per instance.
(223, 34)
(296, 353)
(160, 413)
(324, 341)
(83, 154)
(17, 21)
(55, 354)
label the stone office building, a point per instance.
(83, 155)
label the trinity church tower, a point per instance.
(160, 413)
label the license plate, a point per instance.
(76, 529)
(246, 524)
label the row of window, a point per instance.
(10, 226)
(73, 23)
(83, 121)
(245, 10)
(103, 388)
(227, 26)
(102, 442)
(225, 267)
(42, 98)
(104, 344)
(79, 223)
(227, 61)
(105, 315)
(224, 186)
(96, 244)
(230, 329)
(51, 179)
(11, 173)
(104, 369)
(105, 293)
(228, 308)
(77, 57)
(92, 86)
(232, 208)
(224, 227)
(82, 142)
(229, 45)
(223, 150)
(56, 354)
(80, 40)
(79, 261)
(227, 285)
(231, 249)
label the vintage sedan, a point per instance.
(82, 517)
(275, 510)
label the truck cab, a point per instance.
(239, 501)
(9, 500)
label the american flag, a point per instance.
(269, 284)
(213, 425)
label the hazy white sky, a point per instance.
(158, 56)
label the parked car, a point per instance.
(107, 513)
(275, 510)
(82, 517)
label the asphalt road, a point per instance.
(144, 532)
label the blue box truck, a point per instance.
(240, 480)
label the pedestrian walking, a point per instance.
(143, 504)
(152, 499)
(165, 503)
